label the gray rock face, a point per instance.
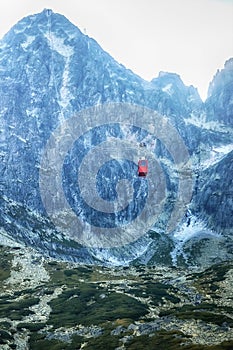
(215, 196)
(50, 72)
(219, 105)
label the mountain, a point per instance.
(74, 123)
(219, 104)
(214, 199)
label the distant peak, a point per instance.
(168, 74)
(166, 77)
(229, 63)
(47, 12)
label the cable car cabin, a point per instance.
(142, 167)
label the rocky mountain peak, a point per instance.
(219, 104)
(166, 78)
(50, 72)
(222, 78)
(173, 88)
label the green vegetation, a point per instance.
(157, 291)
(15, 310)
(91, 305)
(39, 342)
(106, 341)
(208, 280)
(162, 340)
(33, 327)
(112, 306)
(60, 275)
(206, 312)
(5, 264)
(171, 340)
(5, 336)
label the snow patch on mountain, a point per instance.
(111, 257)
(191, 228)
(65, 94)
(29, 40)
(8, 241)
(66, 51)
(216, 154)
(57, 44)
(33, 112)
(195, 119)
(168, 89)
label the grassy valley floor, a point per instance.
(49, 305)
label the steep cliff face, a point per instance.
(49, 71)
(50, 74)
(219, 105)
(215, 195)
(183, 100)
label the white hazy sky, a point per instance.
(192, 38)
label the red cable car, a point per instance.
(142, 167)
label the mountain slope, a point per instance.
(50, 74)
(214, 198)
